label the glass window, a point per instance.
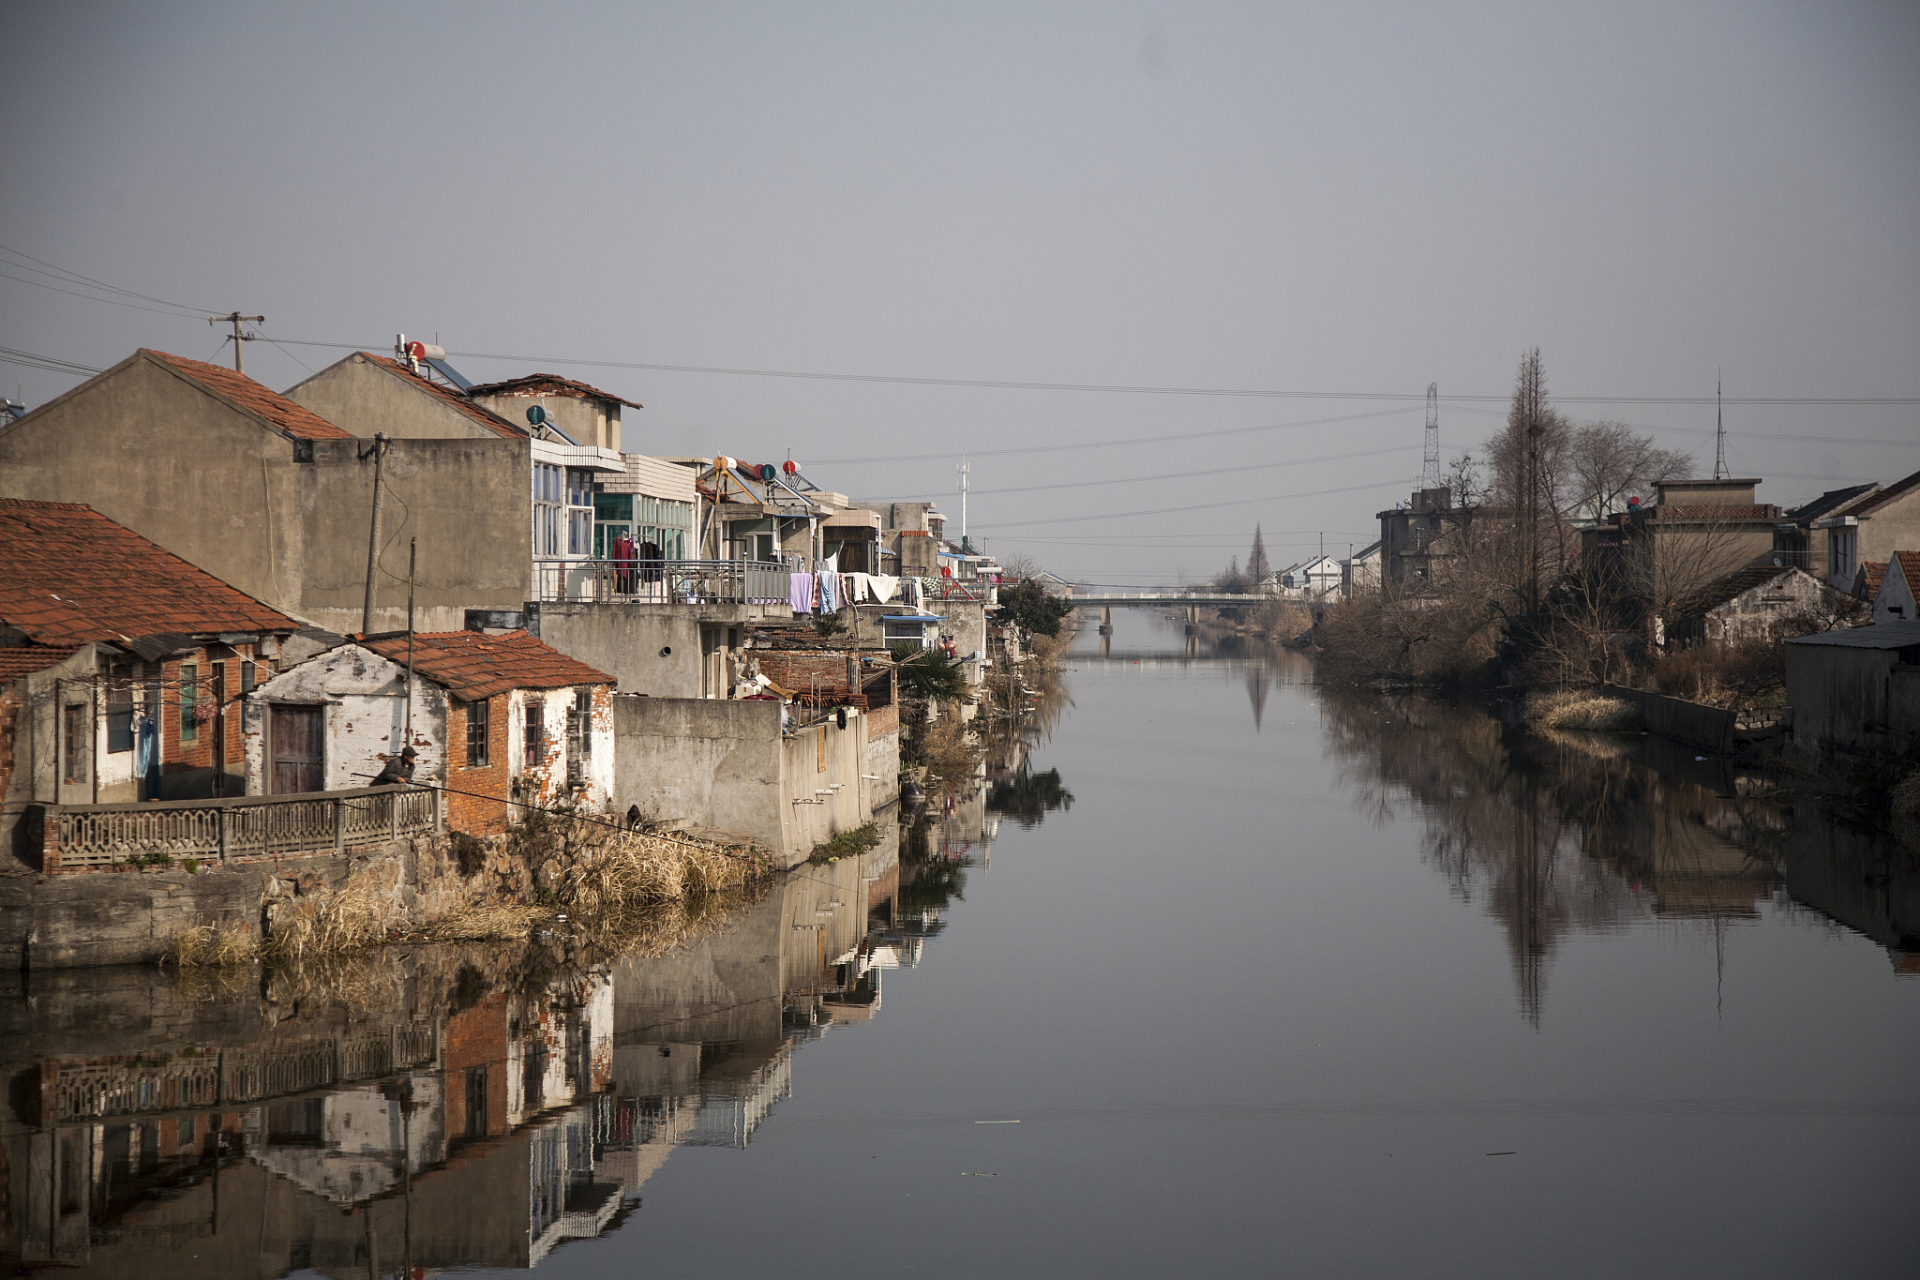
(189, 701)
(479, 722)
(579, 532)
(73, 742)
(120, 707)
(579, 487)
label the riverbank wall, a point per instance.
(131, 916)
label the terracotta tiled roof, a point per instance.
(452, 398)
(1909, 569)
(473, 665)
(72, 576)
(24, 660)
(1898, 489)
(548, 384)
(1872, 573)
(289, 418)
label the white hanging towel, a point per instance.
(860, 591)
(883, 586)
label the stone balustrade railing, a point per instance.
(101, 837)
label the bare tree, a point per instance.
(1529, 480)
(1609, 462)
(1257, 567)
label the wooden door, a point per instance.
(298, 742)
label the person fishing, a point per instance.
(398, 769)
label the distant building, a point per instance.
(1894, 600)
(1360, 573)
(1406, 534)
(1870, 528)
(1747, 604)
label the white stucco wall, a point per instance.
(544, 782)
(366, 705)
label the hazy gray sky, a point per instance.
(1332, 198)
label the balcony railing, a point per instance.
(662, 581)
(81, 837)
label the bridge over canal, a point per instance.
(1191, 601)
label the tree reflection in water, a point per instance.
(1559, 834)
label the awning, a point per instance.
(913, 617)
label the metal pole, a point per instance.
(373, 536)
(413, 553)
(234, 319)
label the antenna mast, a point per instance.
(1719, 433)
(964, 472)
(1430, 470)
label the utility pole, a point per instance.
(413, 559)
(239, 337)
(964, 470)
(373, 537)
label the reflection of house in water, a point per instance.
(190, 1140)
(453, 1121)
(1565, 834)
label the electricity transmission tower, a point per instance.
(1430, 471)
(1720, 471)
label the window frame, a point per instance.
(533, 745)
(188, 701)
(479, 731)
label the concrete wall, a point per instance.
(151, 450)
(726, 764)
(1889, 528)
(625, 641)
(584, 421)
(1895, 601)
(470, 504)
(154, 452)
(360, 396)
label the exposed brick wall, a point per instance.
(484, 812)
(882, 721)
(799, 669)
(475, 1038)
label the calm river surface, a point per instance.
(1222, 976)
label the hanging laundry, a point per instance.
(829, 592)
(861, 591)
(800, 592)
(883, 586)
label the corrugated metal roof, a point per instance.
(1881, 635)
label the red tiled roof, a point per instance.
(1898, 489)
(73, 576)
(289, 418)
(1909, 569)
(548, 384)
(1874, 572)
(25, 659)
(452, 398)
(473, 665)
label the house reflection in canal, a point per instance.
(1571, 833)
(422, 1107)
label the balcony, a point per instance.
(106, 837)
(662, 581)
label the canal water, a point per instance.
(1215, 974)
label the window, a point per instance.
(1840, 544)
(189, 701)
(120, 707)
(546, 509)
(536, 733)
(73, 742)
(581, 728)
(249, 677)
(479, 723)
(579, 511)
(477, 1101)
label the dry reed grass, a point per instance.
(1580, 709)
(211, 946)
(950, 751)
(349, 920)
(1905, 798)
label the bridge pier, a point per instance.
(1106, 619)
(1193, 618)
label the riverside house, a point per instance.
(496, 721)
(121, 666)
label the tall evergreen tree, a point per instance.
(1257, 567)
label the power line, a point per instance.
(1205, 506)
(178, 315)
(52, 364)
(1180, 475)
(73, 276)
(1118, 388)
